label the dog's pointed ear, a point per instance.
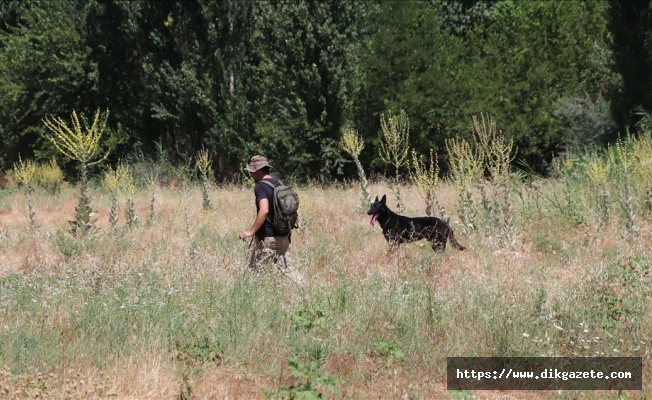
(384, 199)
(376, 201)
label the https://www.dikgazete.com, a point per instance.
(544, 373)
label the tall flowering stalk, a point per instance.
(129, 189)
(204, 162)
(624, 165)
(152, 184)
(642, 153)
(466, 166)
(425, 178)
(395, 146)
(114, 180)
(82, 145)
(353, 145)
(598, 171)
(498, 154)
(24, 171)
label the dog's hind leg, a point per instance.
(454, 242)
(392, 248)
(438, 246)
(437, 240)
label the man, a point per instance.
(266, 244)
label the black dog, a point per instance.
(399, 229)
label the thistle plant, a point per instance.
(498, 154)
(152, 184)
(186, 213)
(81, 145)
(129, 189)
(395, 146)
(192, 251)
(466, 166)
(426, 179)
(353, 145)
(114, 180)
(24, 171)
(203, 163)
(623, 164)
(565, 168)
(642, 150)
(598, 171)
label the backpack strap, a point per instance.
(270, 184)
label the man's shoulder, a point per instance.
(262, 189)
(269, 183)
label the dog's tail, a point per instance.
(454, 242)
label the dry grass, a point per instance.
(526, 300)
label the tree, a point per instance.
(537, 54)
(411, 64)
(444, 62)
(44, 69)
(630, 22)
(304, 82)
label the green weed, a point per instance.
(312, 384)
(389, 352)
(309, 317)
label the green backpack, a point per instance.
(286, 205)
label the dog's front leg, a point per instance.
(392, 243)
(391, 249)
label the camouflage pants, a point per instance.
(276, 249)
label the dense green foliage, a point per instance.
(286, 78)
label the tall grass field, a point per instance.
(163, 307)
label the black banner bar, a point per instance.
(544, 373)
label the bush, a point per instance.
(49, 176)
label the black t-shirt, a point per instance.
(264, 191)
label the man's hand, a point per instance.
(246, 234)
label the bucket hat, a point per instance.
(257, 162)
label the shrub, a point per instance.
(49, 176)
